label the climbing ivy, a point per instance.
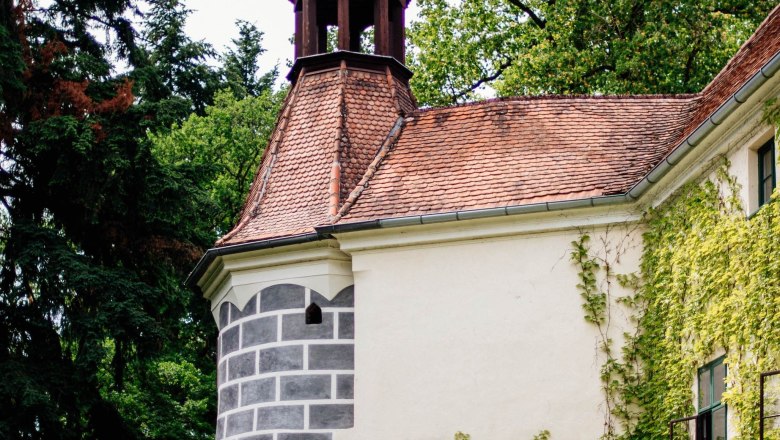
(709, 284)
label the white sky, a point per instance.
(214, 22)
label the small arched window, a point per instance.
(313, 314)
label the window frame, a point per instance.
(704, 414)
(768, 147)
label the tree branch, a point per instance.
(540, 22)
(484, 80)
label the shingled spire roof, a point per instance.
(338, 156)
(331, 125)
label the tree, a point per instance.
(178, 65)
(574, 46)
(95, 237)
(226, 144)
(241, 70)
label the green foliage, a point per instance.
(178, 65)
(574, 46)
(710, 283)
(618, 374)
(225, 147)
(240, 64)
(543, 435)
(461, 436)
(99, 339)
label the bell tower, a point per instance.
(352, 17)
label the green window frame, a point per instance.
(711, 422)
(767, 176)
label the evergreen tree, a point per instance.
(241, 69)
(178, 65)
(98, 338)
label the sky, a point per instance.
(214, 22)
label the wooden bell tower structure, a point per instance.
(352, 17)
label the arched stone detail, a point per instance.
(279, 378)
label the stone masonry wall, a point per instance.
(280, 378)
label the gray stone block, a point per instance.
(305, 387)
(259, 437)
(304, 436)
(345, 298)
(283, 296)
(229, 341)
(331, 416)
(332, 357)
(220, 428)
(228, 398)
(345, 386)
(249, 309)
(346, 326)
(280, 417)
(222, 372)
(224, 315)
(281, 359)
(294, 327)
(242, 365)
(258, 331)
(239, 423)
(257, 391)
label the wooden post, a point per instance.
(310, 31)
(381, 27)
(343, 20)
(399, 31)
(298, 33)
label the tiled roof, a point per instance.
(517, 151)
(329, 131)
(336, 158)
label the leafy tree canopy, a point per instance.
(519, 47)
(226, 144)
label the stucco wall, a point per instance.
(482, 336)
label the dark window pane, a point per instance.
(705, 392)
(766, 160)
(768, 188)
(719, 424)
(718, 382)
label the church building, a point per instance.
(404, 273)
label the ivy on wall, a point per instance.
(709, 284)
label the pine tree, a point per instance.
(241, 69)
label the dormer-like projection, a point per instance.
(352, 17)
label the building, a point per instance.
(404, 273)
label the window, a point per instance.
(711, 420)
(767, 180)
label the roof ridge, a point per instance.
(384, 149)
(560, 97)
(276, 139)
(334, 185)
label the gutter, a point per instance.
(211, 254)
(654, 176)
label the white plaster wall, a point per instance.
(482, 336)
(743, 158)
